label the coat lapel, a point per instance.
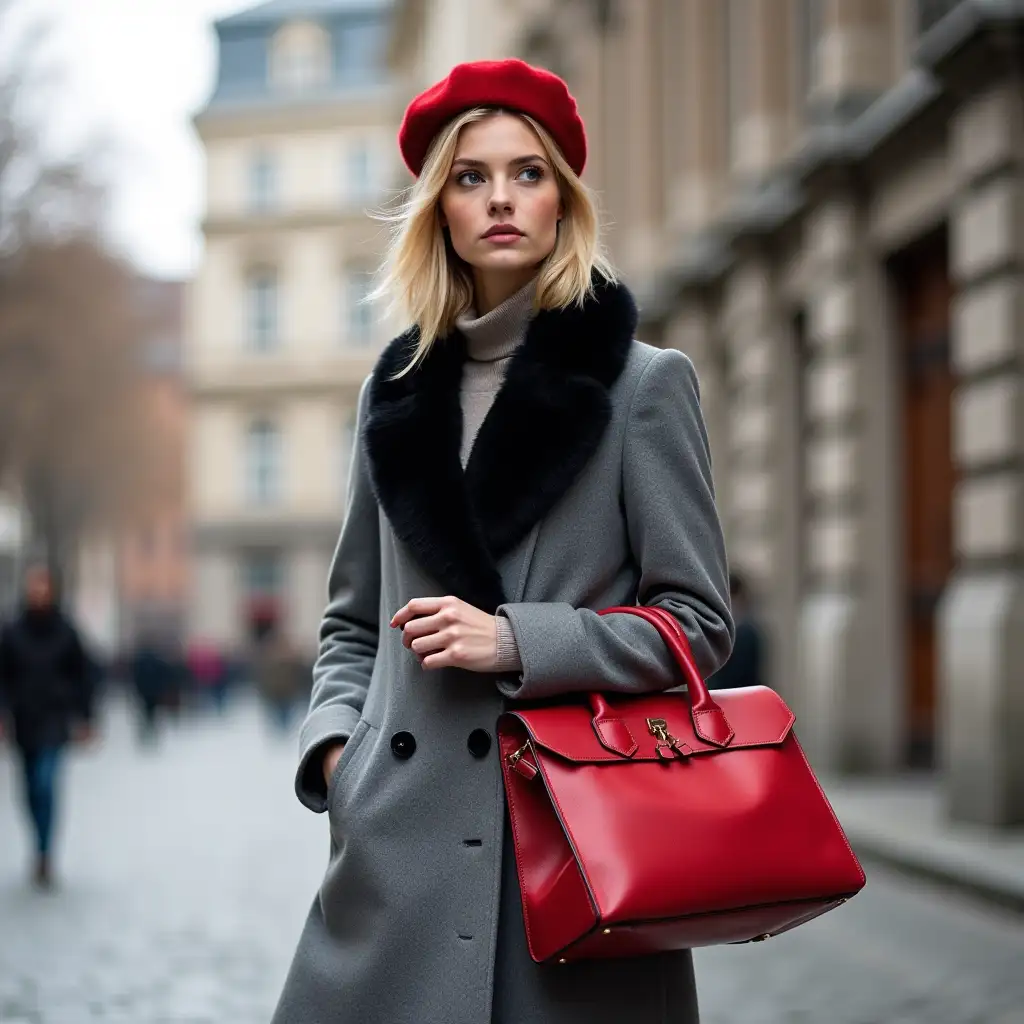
(546, 422)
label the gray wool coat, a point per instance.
(589, 485)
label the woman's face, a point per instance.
(501, 202)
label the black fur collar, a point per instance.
(544, 425)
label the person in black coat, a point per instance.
(745, 664)
(154, 674)
(46, 689)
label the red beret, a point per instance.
(511, 84)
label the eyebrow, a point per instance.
(533, 158)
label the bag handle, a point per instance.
(709, 721)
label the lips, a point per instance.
(503, 229)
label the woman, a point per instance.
(522, 462)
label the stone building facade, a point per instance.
(822, 203)
(299, 146)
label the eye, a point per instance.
(461, 178)
(536, 173)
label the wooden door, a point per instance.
(924, 291)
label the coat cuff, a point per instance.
(539, 629)
(329, 724)
(508, 659)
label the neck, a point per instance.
(491, 289)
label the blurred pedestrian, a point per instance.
(521, 463)
(276, 672)
(207, 669)
(745, 665)
(153, 674)
(47, 684)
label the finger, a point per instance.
(424, 626)
(427, 644)
(417, 606)
(441, 659)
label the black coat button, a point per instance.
(479, 743)
(403, 745)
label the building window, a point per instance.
(262, 183)
(301, 58)
(360, 52)
(358, 310)
(360, 172)
(263, 575)
(263, 464)
(262, 301)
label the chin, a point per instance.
(508, 259)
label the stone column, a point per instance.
(691, 328)
(849, 667)
(213, 611)
(982, 616)
(700, 184)
(760, 497)
(642, 138)
(746, 327)
(853, 57)
(306, 593)
(762, 131)
(616, 160)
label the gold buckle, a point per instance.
(668, 746)
(513, 758)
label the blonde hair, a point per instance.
(424, 280)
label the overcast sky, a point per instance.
(134, 71)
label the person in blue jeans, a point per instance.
(46, 690)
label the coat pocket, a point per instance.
(334, 786)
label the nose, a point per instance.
(500, 200)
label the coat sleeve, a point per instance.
(675, 536)
(348, 632)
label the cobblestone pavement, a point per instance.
(187, 871)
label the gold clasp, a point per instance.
(668, 746)
(513, 758)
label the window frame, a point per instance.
(264, 463)
(262, 310)
(359, 323)
(262, 191)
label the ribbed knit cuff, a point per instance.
(508, 649)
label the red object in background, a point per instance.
(667, 821)
(205, 663)
(263, 613)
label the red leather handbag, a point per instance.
(667, 821)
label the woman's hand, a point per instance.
(444, 632)
(331, 758)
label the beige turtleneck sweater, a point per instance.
(491, 341)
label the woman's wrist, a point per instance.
(507, 656)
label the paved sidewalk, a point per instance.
(902, 822)
(186, 872)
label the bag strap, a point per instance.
(709, 721)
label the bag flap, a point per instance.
(758, 715)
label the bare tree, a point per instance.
(73, 427)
